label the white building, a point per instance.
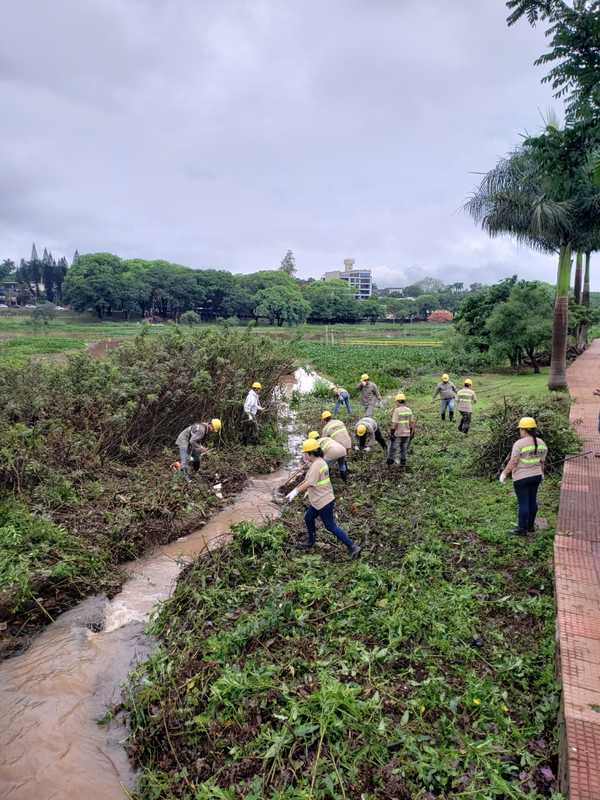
(359, 279)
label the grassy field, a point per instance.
(20, 339)
(426, 670)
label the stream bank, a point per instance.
(52, 695)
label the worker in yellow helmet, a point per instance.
(367, 429)
(447, 392)
(402, 431)
(320, 497)
(190, 444)
(465, 398)
(526, 465)
(342, 398)
(369, 394)
(251, 408)
(336, 429)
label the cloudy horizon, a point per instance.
(219, 136)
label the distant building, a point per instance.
(359, 279)
(393, 290)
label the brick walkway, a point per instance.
(577, 578)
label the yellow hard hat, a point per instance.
(310, 445)
(468, 382)
(257, 385)
(326, 415)
(364, 377)
(400, 396)
(445, 377)
(526, 423)
(313, 435)
(361, 429)
(216, 425)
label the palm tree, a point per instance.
(544, 195)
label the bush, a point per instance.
(130, 404)
(552, 417)
(43, 313)
(190, 318)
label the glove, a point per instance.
(502, 478)
(290, 495)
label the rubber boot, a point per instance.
(451, 414)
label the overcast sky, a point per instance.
(220, 134)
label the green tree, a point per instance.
(95, 282)
(288, 264)
(521, 327)
(371, 309)
(472, 315)
(7, 267)
(574, 55)
(331, 301)
(282, 304)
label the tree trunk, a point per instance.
(578, 274)
(582, 340)
(558, 363)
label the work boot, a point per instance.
(355, 551)
(451, 416)
(444, 417)
(390, 462)
(305, 545)
(517, 532)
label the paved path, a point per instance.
(577, 578)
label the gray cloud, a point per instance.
(220, 134)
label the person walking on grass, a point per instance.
(369, 394)
(190, 444)
(333, 453)
(321, 498)
(342, 398)
(402, 431)
(466, 397)
(367, 429)
(526, 465)
(447, 393)
(336, 429)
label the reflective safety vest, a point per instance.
(324, 480)
(530, 457)
(333, 428)
(403, 416)
(465, 399)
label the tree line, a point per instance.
(109, 285)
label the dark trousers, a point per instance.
(342, 466)
(526, 490)
(465, 421)
(327, 514)
(399, 449)
(379, 439)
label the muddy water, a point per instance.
(51, 747)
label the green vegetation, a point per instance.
(17, 352)
(87, 446)
(424, 670)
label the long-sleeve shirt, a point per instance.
(369, 393)
(192, 436)
(403, 420)
(446, 390)
(527, 461)
(466, 397)
(251, 403)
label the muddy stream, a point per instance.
(51, 696)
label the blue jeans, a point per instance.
(447, 405)
(526, 490)
(343, 400)
(328, 519)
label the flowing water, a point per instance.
(51, 696)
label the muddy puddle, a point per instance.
(51, 696)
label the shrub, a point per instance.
(552, 416)
(190, 318)
(44, 313)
